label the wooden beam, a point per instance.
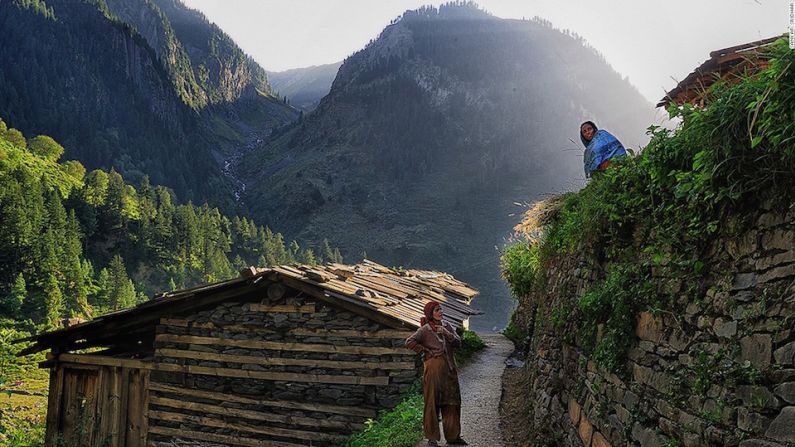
(383, 333)
(83, 359)
(220, 439)
(259, 429)
(229, 397)
(266, 375)
(280, 346)
(282, 361)
(255, 415)
(87, 359)
(282, 308)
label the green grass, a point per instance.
(402, 426)
(22, 416)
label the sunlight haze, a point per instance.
(651, 43)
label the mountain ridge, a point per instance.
(138, 105)
(417, 154)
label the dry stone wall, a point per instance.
(291, 370)
(715, 369)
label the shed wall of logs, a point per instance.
(281, 371)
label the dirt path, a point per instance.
(481, 386)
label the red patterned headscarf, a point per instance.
(428, 311)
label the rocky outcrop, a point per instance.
(717, 368)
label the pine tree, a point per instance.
(308, 257)
(12, 303)
(338, 256)
(293, 253)
(100, 299)
(111, 216)
(280, 253)
(326, 253)
(96, 188)
(53, 302)
(74, 283)
(121, 292)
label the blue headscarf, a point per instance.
(603, 146)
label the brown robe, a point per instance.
(440, 388)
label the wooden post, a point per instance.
(54, 405)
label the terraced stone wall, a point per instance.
(717, 369)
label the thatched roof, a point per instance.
(720, 65)
(393, 297)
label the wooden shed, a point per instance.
(724, 64)
(285, 356)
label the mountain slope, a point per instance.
(432, 132)
(304, 87)
(117, 85)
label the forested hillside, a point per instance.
(150, 88)
(77, 244)
(432, 132)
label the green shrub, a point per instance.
(520, 267)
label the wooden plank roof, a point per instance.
(394, 297)
(721, 63)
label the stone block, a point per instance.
(783, 426)
(757, 350)
(646, 437)
(759, 443)
(745, 296)
(574, 411)
(777, 273)
(757, 396)
(631, 399)
(622, 414)
(725, 329)
(782, 375)
(779, 239)
(775, 260)
(785, 355)
(751, 422)
(786, 391)
(649, 327)
(692, 440)
(585, 430)
(599, 441)
(743, 281)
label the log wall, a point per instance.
(274, 372)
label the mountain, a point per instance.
(148, 87)
(432, 132)
(304, 87)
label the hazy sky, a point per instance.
(652, 43)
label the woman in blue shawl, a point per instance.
(600, 147)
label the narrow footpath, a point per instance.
(481, 387)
